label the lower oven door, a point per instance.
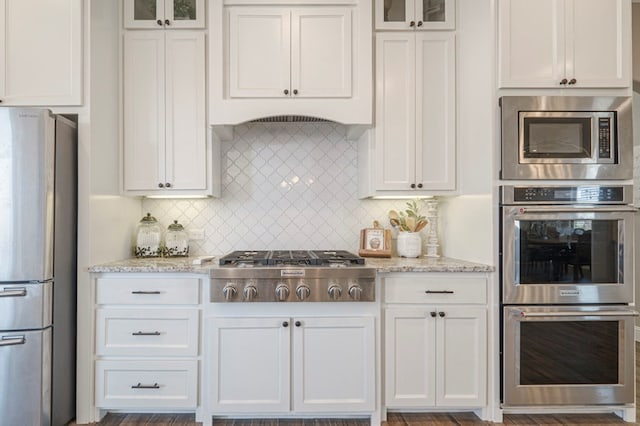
(577, 355)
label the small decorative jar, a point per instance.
(176, 241)
(148, 237)
(409, 244)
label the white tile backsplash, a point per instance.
(284, 186)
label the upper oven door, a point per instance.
(567, 254)
(566, 137)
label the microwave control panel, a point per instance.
(604, 137)
(587, 194)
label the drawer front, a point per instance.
(155, 332)
(146, 384)
(435, 289)
(148, 291)
(25, 306)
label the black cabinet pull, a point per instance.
(439, 291)
(285, 324)
(573, 81)
(298, 323)
(413, 186)
(144, 292)
(412, 24)
(167, 185)
(141, 386)
(419, 185)
(419, 23)
(146, 333)
(159, 21)
(563, 81)
(286, 91)
(167, 22)
(161, 185)
(433, 314)
(441, 314)
(295, 91)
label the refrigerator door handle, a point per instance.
(12, 340)
(13, 292)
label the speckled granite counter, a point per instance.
(395, 264)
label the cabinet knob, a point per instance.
(573, 81)
(419, 23)
(285, 324)
(286, 91)
(167, 185)
(563, 81)
(419, 185)
(167, 22)
(161, 185)
(413, 186)
(159, 22)
(412, 24)
(295, 91)
(441, 314)
(298, 323)
(433, 314)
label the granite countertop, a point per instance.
(394, 264)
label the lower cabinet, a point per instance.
(147, 341)
(435, 342)
(283, 364)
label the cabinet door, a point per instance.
(144, 114)
(321, 52)
(41, 52)
(410, 357)
(165, 14)
(185, 143)
(597, 52)
(435, 14)
(251, 362)
(395, 130)
(461, 346)
(259, 52)
(435, 111)
(394, 14)
(532, 43)
(333, 364)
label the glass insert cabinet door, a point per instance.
(164, 14)
(415, 14)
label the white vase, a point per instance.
(409, 244)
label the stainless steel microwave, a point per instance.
(566, 137)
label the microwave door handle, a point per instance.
(525, 314)
(577, 209)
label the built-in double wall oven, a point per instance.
(567, 282)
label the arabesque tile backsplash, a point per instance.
(284, 186)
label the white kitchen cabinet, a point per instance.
(283, 364)
(41, 52)
(163, 14)
(165, 146)
(413, 147)
(415, 14)
(289, 52)
(564, 43)
(277, 57)
(146, 341)
(435, 342)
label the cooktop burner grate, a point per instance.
(291, 258)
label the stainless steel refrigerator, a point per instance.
(38, 211)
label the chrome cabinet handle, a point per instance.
(145, 292)
(141, 386)
(12, 340)
(439, 291)
(146, 333)
(13, 292)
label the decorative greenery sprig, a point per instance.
(409, 220)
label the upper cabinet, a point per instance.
(164, 14)
(286, 57)
(415, 14)
(41, 52)
(564, 43)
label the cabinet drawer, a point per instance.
(157, 332)
(435, 289)
(148, 291)
(146, 384)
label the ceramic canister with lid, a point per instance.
(148, 237)
(176, 241)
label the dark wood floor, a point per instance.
(393, 419)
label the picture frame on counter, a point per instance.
(375, 242)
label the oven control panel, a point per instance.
(582, 194)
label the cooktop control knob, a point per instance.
(250, 291)
(355, 291)
(303, 291)
(335, 291)
(229, 290)
(282, 292)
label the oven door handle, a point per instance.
(575, 209)
(525, 314)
